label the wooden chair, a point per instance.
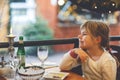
(116, 53)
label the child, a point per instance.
(97, 63)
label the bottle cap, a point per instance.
(21, 38)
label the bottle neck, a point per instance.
(21, 44)
(20, 41)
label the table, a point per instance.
(2, 78)
(71, 76)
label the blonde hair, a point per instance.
(97, 28)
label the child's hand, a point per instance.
(82, 54)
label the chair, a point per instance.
(116, 53)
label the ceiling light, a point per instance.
(110, 12)
(113, 4)
(95, 7)
(61, 2)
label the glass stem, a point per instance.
(15, 76)
(42, 64)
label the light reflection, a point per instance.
(95, 7)
(110, 12)
(61, 2)
(113, 4)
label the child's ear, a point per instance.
(98, 39)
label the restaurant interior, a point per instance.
(54, 23)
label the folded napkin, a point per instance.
(46, 64)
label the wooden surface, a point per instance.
(71, 76)
(2, 78)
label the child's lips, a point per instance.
(81, 41)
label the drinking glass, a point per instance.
(15, 64)
(42, 53)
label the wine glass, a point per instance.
(42, 53)
(15, 64)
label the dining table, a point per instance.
(73, 76)
(2, 78)
(70, 76)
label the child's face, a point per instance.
(86, 41)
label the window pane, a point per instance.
(17, 0)
(18, 12)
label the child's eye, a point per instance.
(84, 34)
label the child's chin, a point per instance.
(82, 47)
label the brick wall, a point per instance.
(49, 12)
(115, 30)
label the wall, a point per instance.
(115, 30)
(49, 12)
(4, 19)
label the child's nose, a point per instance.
(80, 36)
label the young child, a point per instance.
(97, 63)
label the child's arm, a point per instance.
(81, 53)
(69, 61)
(108, 70)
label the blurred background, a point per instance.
(54, 19)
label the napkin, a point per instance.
(47, 64)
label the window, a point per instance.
(17, 0)
(19, 12)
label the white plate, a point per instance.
(56, 75)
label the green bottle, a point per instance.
(21, 52)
